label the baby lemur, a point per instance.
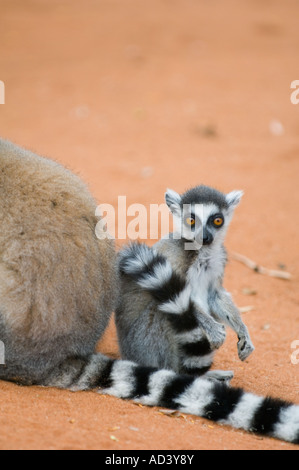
(173, 305)
(58, 284)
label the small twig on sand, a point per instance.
(260, 269)
(247, 309)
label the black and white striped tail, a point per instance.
(153, 273)
(211, 400)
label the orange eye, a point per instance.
(190, 221)
(218, 221)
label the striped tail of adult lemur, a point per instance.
(214, 401)
(58, 288)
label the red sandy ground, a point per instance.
(136, 96)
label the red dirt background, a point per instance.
(136, 96)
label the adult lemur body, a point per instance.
(58, 285)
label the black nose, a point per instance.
(207, 240)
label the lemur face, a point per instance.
(202, 223)
(202, 214)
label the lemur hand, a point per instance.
(214, 330)
(216, 336)
(245, 347)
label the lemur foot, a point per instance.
(245, 348)
(224, 376)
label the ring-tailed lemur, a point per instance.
(180, 305)
(58, 286)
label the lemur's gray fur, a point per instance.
(181, 276)
(58, 283)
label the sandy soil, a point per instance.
(137, 96)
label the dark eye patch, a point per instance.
(216, 220)
(191, 221)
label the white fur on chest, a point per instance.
(205, 273)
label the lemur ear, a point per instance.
(233, 199)
(173, 200)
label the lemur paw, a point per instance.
(245, 348)
(216, 336)
(219, 376)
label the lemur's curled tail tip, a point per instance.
(153, 273)
(137, 257)
(153, 387)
